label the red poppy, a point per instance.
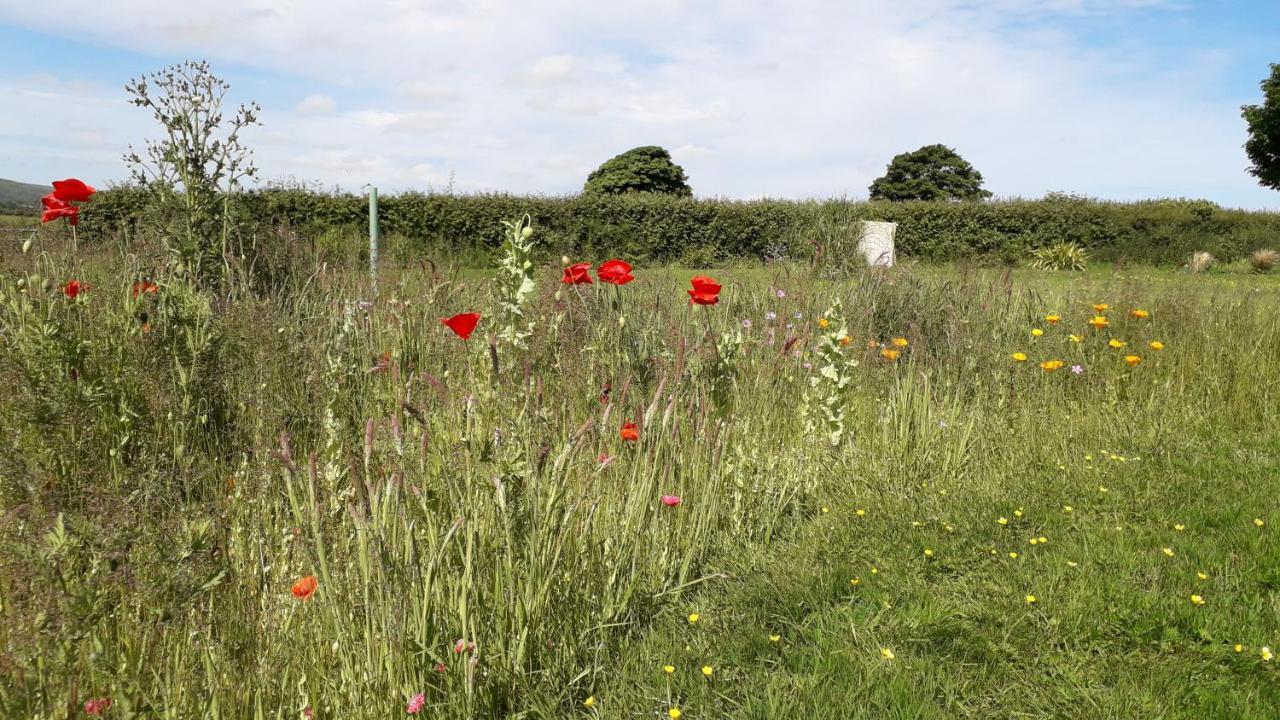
(630, 432)
(705, 291)
(304, 587)
(145, 286)
(55, 208)
(616, 272)
(577, 274)
(72, 190)
(73, 288)
(463, 324)
(671, 500)
(97, 706)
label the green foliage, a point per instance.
(934, 172)
(1263, 145)
(644, 169)
(652, 228)
(515, 285)
(1060, 256)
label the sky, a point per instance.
(1114, 99)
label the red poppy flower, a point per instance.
(577, 274)
(616, 272)
(145, 286)
(97, 706)
(463, 324)
(55, 208)
(671, 500)
(72, 190)
(630, 432)
(304, 587)
(705, 291)
(73, 288)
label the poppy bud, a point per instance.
(526, 233)
(564, 260)
(26, 246)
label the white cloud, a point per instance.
(317, 104)
(812, 100)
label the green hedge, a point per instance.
(656, 228)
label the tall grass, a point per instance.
(178, 459)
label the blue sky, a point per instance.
(1120, 99)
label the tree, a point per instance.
(198, 162)
(1263, 145)
(642, 169)
(934, 172)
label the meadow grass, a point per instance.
(479, 532)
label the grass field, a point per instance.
(941, 532)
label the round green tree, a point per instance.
(934, 172)
(642, 169)
(1263, 145)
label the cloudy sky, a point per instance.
(1118, 99)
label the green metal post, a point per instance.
(373, 237)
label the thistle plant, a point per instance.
(825, 399)
(514, 284)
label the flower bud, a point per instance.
(526, 233)
(26, 246)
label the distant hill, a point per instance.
(21, 198)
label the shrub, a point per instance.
(1200, 262)
(1264, 259)
(1060, 256)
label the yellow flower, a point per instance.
(693, 618)
(1266, 654)
(1258, 522)
(854, 581)
(1067, 508)
(1052, 319)
(668, 669)
(1179, 527)
(1101, 307)
(1099, 322)
(890, 355)
(1156, 345)
(1017, 513)
(1071, 563)
(674, 713)
(707, 670)
(1043, 539)
(886, 653)
(1103, 489)
(1197, 600)
(1074, 338)
(860, 512)
(1003, 521)
(900, 342)
(1019, 357)
(1051, 365)
(1167, 551)
(1030, 599)
(928, 552)
(1132, 360)
(775, 638)
(948, 528)
(1013, 556)
(1036, 332)
(1202, 576)
(874, 570)
(1033, 541)
(823, 323)
(1117, 344)
(590, 702)
(845, 340)
(826, 509)
(1238, 648)
(1139, 314)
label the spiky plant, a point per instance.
(1060, 256)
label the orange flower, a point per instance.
(1051, 365)
(1132, 360)
(304, 587)
(1139, 314)
(1101, 307)
(846, 340)
(1099, 322)
(890, 355)
(630, 432)
(1052, 319)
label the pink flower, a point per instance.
(462, 646)
(670, 500)
(97, 706)
(440, 667)
(415, 703)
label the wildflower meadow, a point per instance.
(581, 487)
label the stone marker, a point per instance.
(876, 243)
